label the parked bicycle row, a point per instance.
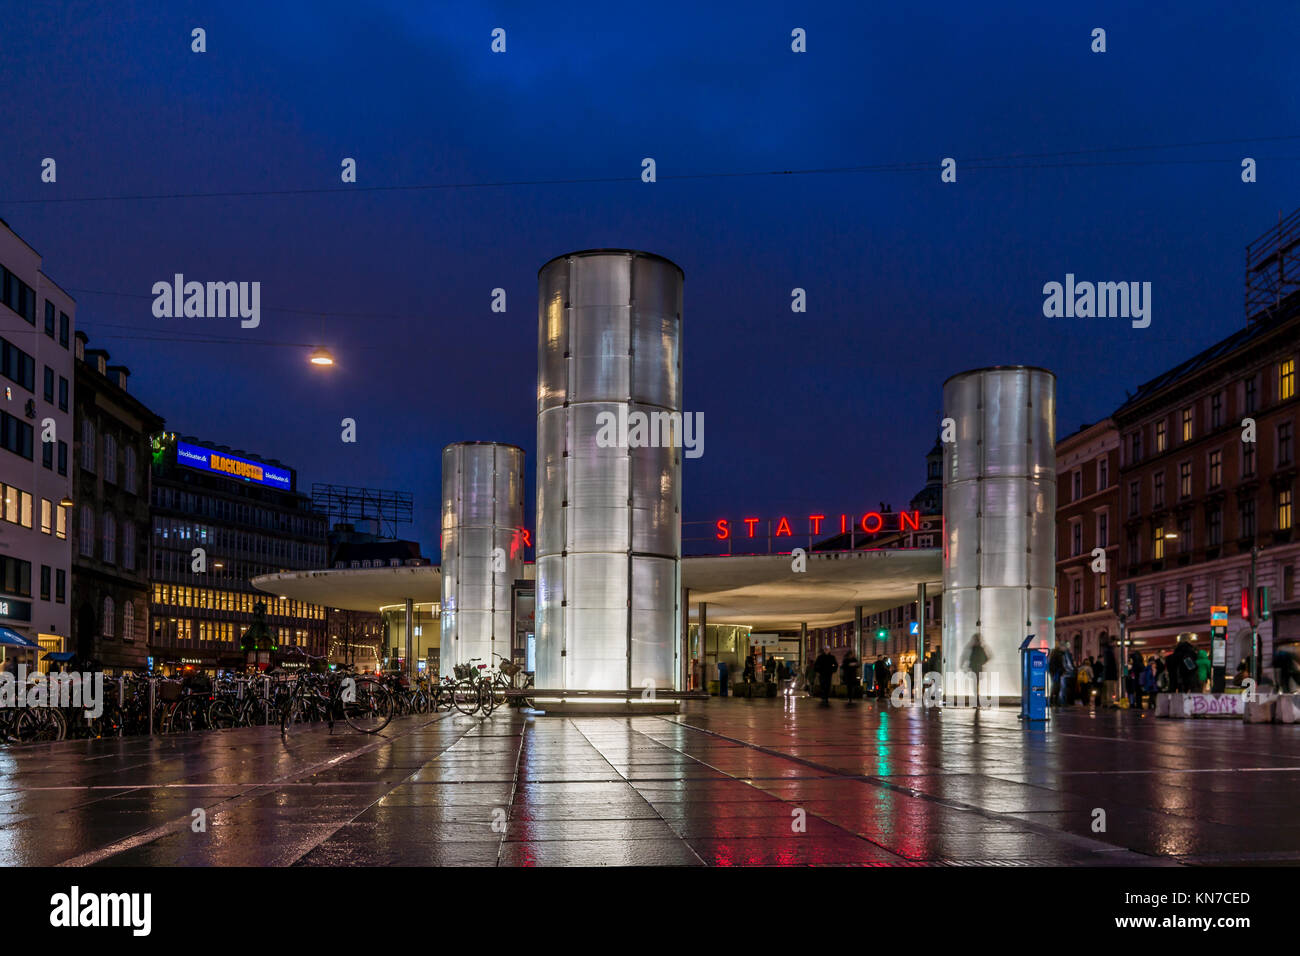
(137, 705)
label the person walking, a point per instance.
(1109, 674)
(748, 675)
(1084, 680)
(977, 658)
(1056, 671)
(1203, 670)
(1136, 667)
(882, 678)
(825, 666)
(1150, 682)
(849, 674)
(1068, 686)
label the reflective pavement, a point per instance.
(726, 783)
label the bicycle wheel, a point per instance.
(293, 711)
(465, 697)
(371, 709)
(487, 695)
(35, 724)
(221, 715)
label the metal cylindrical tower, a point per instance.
(608, 513)
(999, 513)
(482, 549)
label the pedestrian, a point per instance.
(977, 658)
(1136, 667)
(1056, 671)
(882, 678)
(825, 666)
(1109, 674)
(849, 676)
(748, 675)
(1084, 679)
(1149, 682)
(1204, 670)
(1067, 684)
(1286, 667)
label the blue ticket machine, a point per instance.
(1033, 679)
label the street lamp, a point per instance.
(321, 356)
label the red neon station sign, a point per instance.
(871, 522)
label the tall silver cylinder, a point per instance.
(608, 516)
(482, 549)
(999, 513)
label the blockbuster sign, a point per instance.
(205, 459)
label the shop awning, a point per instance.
(11, 638)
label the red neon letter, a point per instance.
(913, 518)
(751, 522)
(816, 522)
(528, 537)
(879, 522)
(724, 530)
(783, 524)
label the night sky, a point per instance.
(908, 279)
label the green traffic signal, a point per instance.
(882, 634)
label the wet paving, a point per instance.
(726, 783)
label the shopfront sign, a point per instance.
(15, 610)
(231, 466)
(818, 524)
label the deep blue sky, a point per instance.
(909, 280)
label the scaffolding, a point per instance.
(1269, 282)
(349, 503)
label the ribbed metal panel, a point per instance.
(608, 519)
(482, 510)
(999, 506)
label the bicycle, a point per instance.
(364, 703)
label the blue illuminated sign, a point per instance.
(205, 459)
(913, 628)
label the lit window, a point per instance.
(1284, 510)
(47, 516)
(1187, 424)
(1158, 544)
(1286, 380)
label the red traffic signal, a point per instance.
(1245, 604)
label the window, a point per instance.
(87, 445)
(1135, 447)
(108, 617)
(1103, 473)
(45, 582)
(1284, 449)
(61, 522)
(1216, 409)
(1158, 544)
(47, 455)
(15, 435)
(1076, 537)
(128, 546)
(1288, 582)
(63, 329)
(1163, 607)
(1158, 490)
(16, 576)
(1246, 518)
(86, 532)
(1286, 380)
(1216, 468)
(63, 458)
(128, 621)
(1247, 459)
(17, 366)
(49, 318)
(47, 516)
(1185, 480)
(1076, 596)
(1078, 484)
(1187, 424)
(110, 458)
(1214, 527)
(1185, 534)
(1103, 592)
(1251, 395)
(1103, 529)
(63, 394)
(128, 479)
(60, 586)
(48, 384)
(1134, 497)
(1189, 602)
(1160, 437)
(1283, 510)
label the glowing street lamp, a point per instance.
(321, 356)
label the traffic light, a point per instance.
(882, 634)
(1262, 604)
(1245, 604)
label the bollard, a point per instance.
(151, 687)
